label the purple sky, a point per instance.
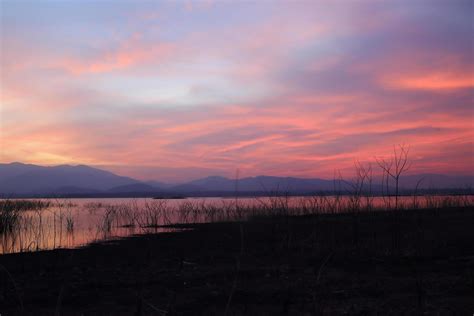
(175, 90)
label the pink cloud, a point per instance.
(132, 52)
(328, 92)
(437, 81)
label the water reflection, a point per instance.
(76, 222)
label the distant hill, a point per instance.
(187, 187)
(135, 188)
(70, 190)
(14, 169)
(17, 179)
(436, 181)
(263, 184)
(159, 184)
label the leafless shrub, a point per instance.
(394, 168)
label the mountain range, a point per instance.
(18, 179)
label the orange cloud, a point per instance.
(437, 81)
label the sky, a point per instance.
(177, 90)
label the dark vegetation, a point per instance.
(405, 261)
(10, 212)
(22, 205)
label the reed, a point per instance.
(31, 225)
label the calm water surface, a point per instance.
(69, 223)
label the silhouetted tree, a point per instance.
(395, 167)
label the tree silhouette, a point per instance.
(395, 167)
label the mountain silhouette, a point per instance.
(17, 179)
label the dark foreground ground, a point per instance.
(410, 262)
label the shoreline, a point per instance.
(418, 261)
(232, 195)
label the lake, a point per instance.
(70, 223)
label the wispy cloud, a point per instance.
(172, 91)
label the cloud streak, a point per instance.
(290, 89)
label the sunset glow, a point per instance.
(177, 90)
